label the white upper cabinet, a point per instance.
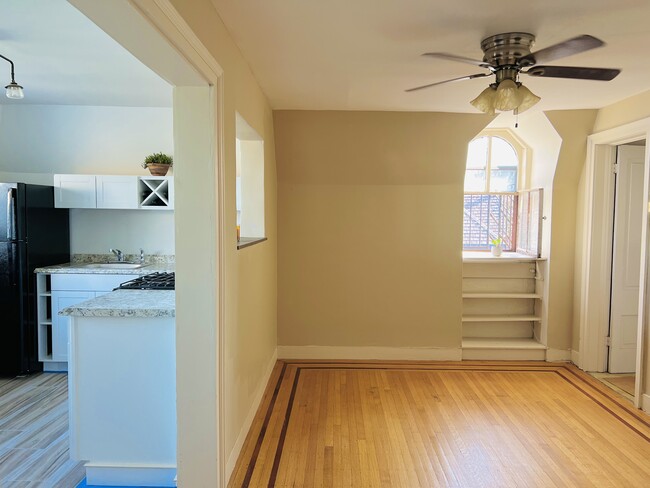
(117, 191)
(112, 191)
(74, 191)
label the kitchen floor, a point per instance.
(34, 433)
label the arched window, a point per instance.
(491, 182)
(492, 166)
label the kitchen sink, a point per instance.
(114, 265)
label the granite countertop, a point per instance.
(85, 268)
(127, 303)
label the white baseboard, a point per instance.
(111, 475)
(370, 352)
(645, 403)
(575, 357)
(55, 367)
(558, 355)
(259, 393)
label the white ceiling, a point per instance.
(362, 54)
(62, 58)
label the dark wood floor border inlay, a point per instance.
(260, 437)
(558, 369)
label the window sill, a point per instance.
(486, 257)
(249, 241)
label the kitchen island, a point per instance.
(122, 387)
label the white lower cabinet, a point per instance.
(60, 325)
(62, 291)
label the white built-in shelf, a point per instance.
(501, 318)
(502, 295)
(501, 343)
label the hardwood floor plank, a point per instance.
(422, 424)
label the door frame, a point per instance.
(597, 257)
(168, 27)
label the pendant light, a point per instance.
(14, 90)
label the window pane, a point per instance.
(475, 180)
(503, 154)
(502, 180)
(477, 153)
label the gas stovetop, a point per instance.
(153, 281)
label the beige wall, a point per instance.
(251, 285)
(370, 223)
(573, 126)
(623, 112)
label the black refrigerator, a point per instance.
(32, 234)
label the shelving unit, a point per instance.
(44, 321)
(503, 313)
(155, 192)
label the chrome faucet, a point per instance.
(119, 254)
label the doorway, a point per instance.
(600, 268)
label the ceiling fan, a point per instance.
(508, 55)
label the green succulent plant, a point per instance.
(158, 158)
(496, 242)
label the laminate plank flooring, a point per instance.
(425, 424)
(34, 433)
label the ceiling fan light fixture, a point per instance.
(507, 96)
(485, 101)
(528, 99)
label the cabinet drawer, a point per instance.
(86, 282)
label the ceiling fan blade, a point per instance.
(461, 59)
(567, 48)
(470, 77)
(600, 74)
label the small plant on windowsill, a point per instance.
(495, 247)
(158, 163)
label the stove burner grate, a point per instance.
(153, 281)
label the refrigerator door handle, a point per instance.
(11, 214)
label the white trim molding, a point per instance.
(255, 405)
(645, 403)
(114, 475)
(370, 352)
(555, 355)
(596, 262)
(575, 357)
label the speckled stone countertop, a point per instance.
(85, 268)
(86, 264)
(127, 303)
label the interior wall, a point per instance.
(370, 214)
(623, 112)
(37, 141)
(573, 126)
(250, 331)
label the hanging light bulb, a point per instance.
(507, 96)
(14, 90)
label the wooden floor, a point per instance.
(34, 433)
(470, 424)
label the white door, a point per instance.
(626, 259)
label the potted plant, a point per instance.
(495, 246)
(158, 163)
